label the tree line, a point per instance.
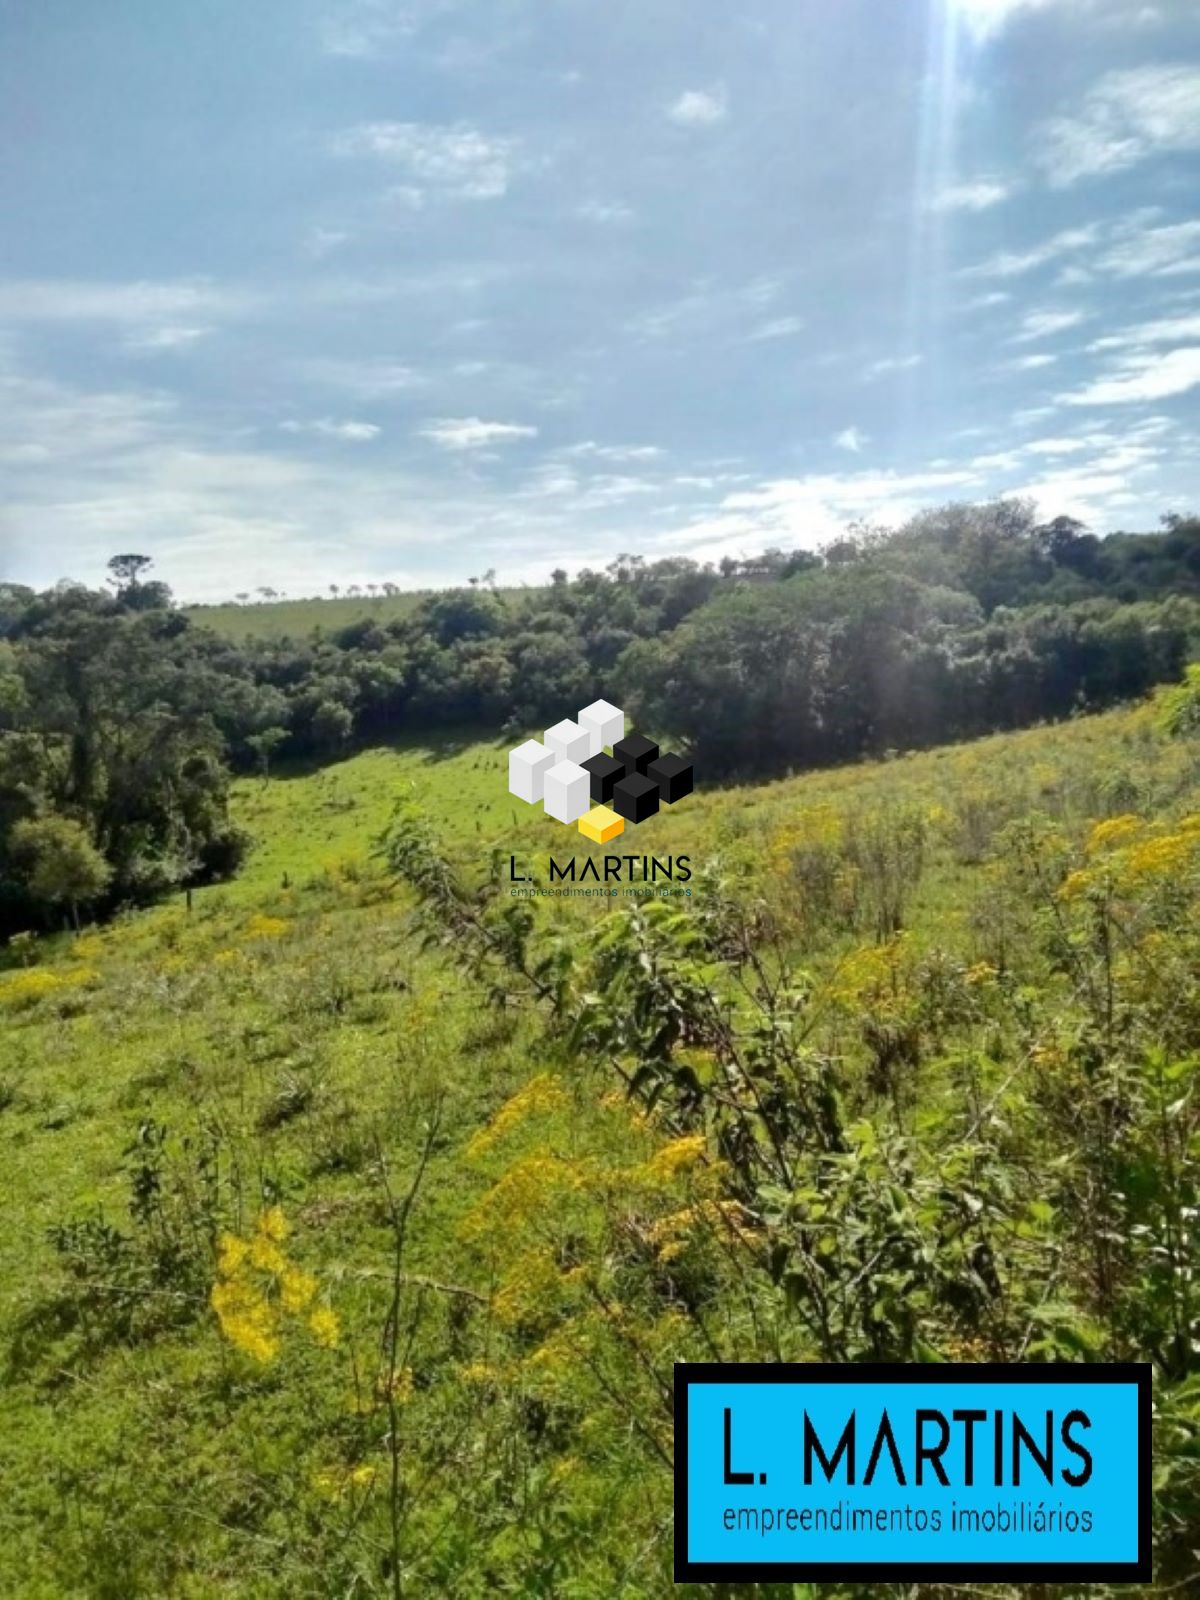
(121, 718)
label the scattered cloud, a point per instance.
(709, 303)
(322, 242)
(350, 431)
(1164, 252)
(699, 108)
(454, 161)
(979, 195)
(604, 213)
(615, 452)
(472, 433)
(1055, 447)
(1141, 377)
(361, 29)
(166, 338)
(984, 302)
(851, 439)
(1164, 330)
(804, 512)
(1042, 324)
(365, 380)
(1126, 118)
(141, 304)
(1030, 363)
(889, 364)
(985, 18)
(779, 328)
(1016, 263)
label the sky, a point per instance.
(304, 292)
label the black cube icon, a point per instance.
(637, 752)
(673, 775)
(603, 771)
(635, 798)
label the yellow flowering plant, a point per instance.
(258, 1289)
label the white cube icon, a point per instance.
(605, 723)
(569, 741)
(528, 765)
(568, 792)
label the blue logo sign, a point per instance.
(1013, 1473)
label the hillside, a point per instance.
(241, 1363)
(296, 619)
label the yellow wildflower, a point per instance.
(325, 1328)
(272, 1224)
(1112, 832)
(247, 1318)
(296, 1288)
(267, 1256)
(232, 1254)
(1158, 858)
(1075, 885)
(674, 1158)
(525, 1191)
(540, 1095)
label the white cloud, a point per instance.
(780, 328)
(1055, 447)
(979, 195)
(699, 108)
(1164, 330)
(1014, 264)
(1155, 252)
(144, 303)
(166, 338)
(851, 439)
(889, 364)
(1042, 324)
(804, 512)
(350, 431)
(709, 302)
(983, 302)
(1141, 377)
(604, 213)
(472, 433)
(366, 380)
(361, 29)
(615, 452)
(322, 242)
(47, 421)
(985, 18)
(1127, 117)
(454, 160)
(1030, 363)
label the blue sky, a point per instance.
(311, 291)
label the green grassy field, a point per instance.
(240, 1363)
(296, 619)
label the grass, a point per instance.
(295, 1037)
(278, 619)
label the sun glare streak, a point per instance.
(935, 171)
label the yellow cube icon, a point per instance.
(601, 824)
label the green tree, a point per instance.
(1179, 706)
(61, 864)
(332, 725)
(264, 745)
(127, 570)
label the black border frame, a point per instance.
(1125, 1372)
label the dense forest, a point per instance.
(121, 718)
